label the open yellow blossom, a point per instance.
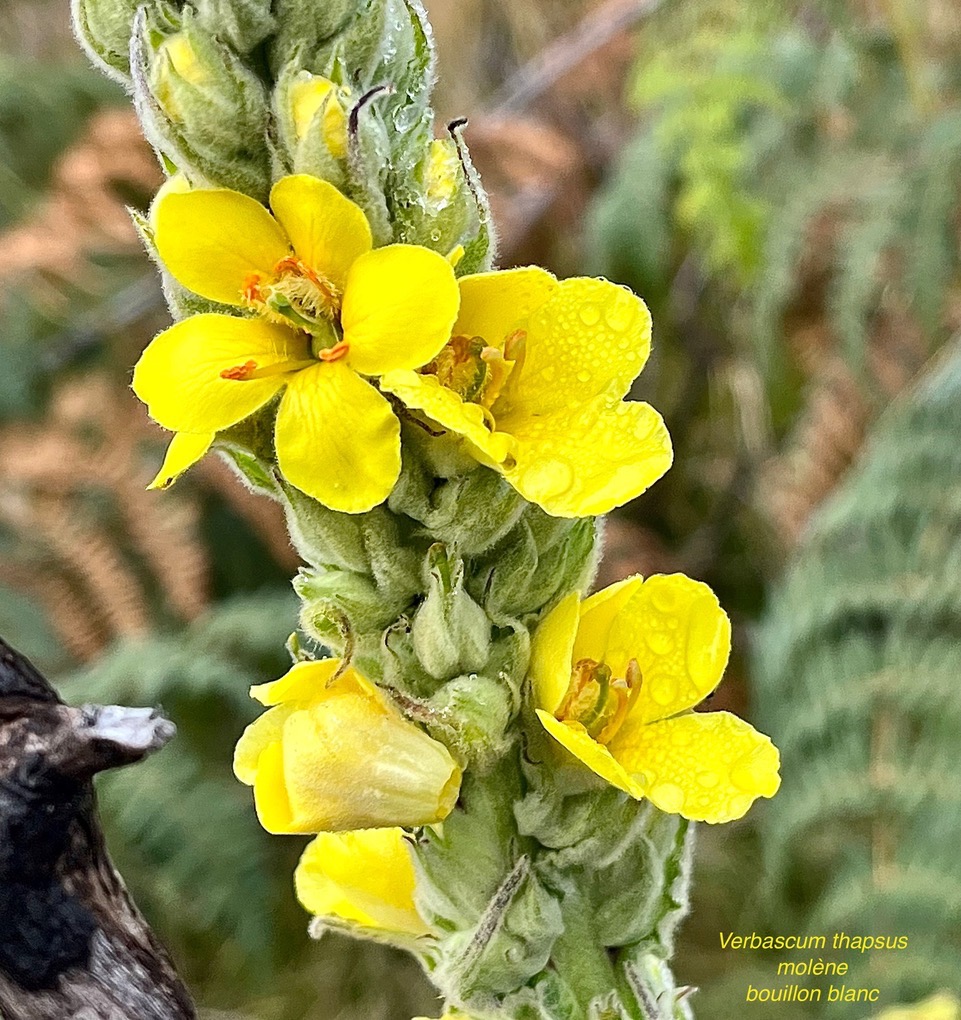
(615, 678)
(534, 380)
(331, 313)
(332, 754)
(363, 879)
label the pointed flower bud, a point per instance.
(451, 632)
(202, 106)
(332, 754)
(318, 102)
(363, 881)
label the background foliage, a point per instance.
(781, 182)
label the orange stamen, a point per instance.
(334, 353)
(251, 289)
(240, 372)
(293, 265)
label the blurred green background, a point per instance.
(782, 183)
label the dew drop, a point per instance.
(619, 313)
(590, 315)
(659, 642)
(668, 797)
(550, 478)
(662, 690)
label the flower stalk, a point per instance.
(501, 775)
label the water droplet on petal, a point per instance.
(662, 690)
(549, 478)
(659, 642)
(708, 779)
(668, 797)
(620, 311)
(590, 315)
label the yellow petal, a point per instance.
(681, 638)
(256, 738)
(590, 338)
(309, 95)
(586, 749)
(493, 305)
(184, 450)
(326, 229)
(270, 792)
(597, 615)
(352, 762)
(588, 458)
(550, 666)
(179, 378)
(366, 877)
(303, 681)
(337, 438)
(709, 767)
(399, 308)
(212, 240)
(447, 409)
(174, 185)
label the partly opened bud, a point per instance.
(362, 880)
(316, 103)
(333, 754)
(202, 106)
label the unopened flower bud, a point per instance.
(451, 633)
(332, 754)
(472, 714)
(202, 106)
(103, 26)
(312, 114)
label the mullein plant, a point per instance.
(500, 773)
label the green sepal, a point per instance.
(479, 252)
(511, 943)
(339, 604)
(251, 469)
(468, 512)
(103, 27)
(243, 24)
(649, 984)
(307, 26)
(395, 556)
(481, 830)
(541, 559)
(451, 633)
(323, 537)
(471, 715)
(418, 945)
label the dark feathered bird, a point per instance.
(72, 944)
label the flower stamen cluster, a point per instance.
(599, 701)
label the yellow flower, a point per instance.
(365, 879)
(332, 754)
(332, 312)
(615, 678)
(533, 379)
(311, 93)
